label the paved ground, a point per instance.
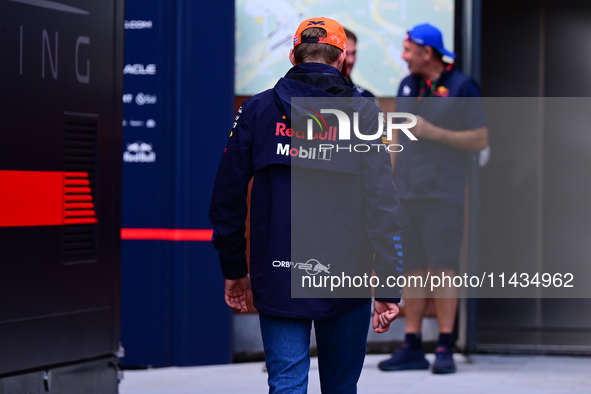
(479, 374)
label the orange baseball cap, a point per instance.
(335, 35)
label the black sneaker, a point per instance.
(444, 361)
(404, 359)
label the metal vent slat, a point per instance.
(79, 151)
(80, 159)
(80, 245)
(74, 238)
(75, 137)
(80, 144)
(80, 166)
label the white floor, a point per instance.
(476, 375)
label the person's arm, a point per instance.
(393, 154)
(383, 229)
(471, 112)
(389, 105)
(470, 140)
(473, 135)
(228, 211)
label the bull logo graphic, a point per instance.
(317, 268)
(139, 152)
(139, 146)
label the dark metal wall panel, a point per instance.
(59, 60)
(92, 377)
(510, 48)
(510, 183)
(567, 164)
(172, 302)
(204, 116)
(567, 53)
(534, 191)
(146, 310)
(148, 185)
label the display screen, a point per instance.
(265, 29)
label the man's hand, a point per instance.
(237, 293)
(384, 313)
(470, 140)
(424, 129)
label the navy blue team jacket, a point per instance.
(343, 219)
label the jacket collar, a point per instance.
(319, 75)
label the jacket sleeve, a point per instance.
(228, 208)
(382, 222)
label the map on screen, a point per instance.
(265, 29)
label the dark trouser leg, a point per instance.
(342, 342)
(287, 353)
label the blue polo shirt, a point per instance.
(430, 170)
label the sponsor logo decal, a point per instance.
(335, 38)
(139, 152)
(141, 99)
(329, 135)
(312, 266)
(441, 91)
(140, 69)
(150, 123)
(285, 150)
(137, 25)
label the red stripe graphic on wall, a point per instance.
(78, 205)
(165, 234)
(45, 198)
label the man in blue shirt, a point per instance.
(430, 177)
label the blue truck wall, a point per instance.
(178, 110)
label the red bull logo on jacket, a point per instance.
(327, 135)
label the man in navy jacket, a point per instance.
(312, 212)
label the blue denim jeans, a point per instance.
(341, 342)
